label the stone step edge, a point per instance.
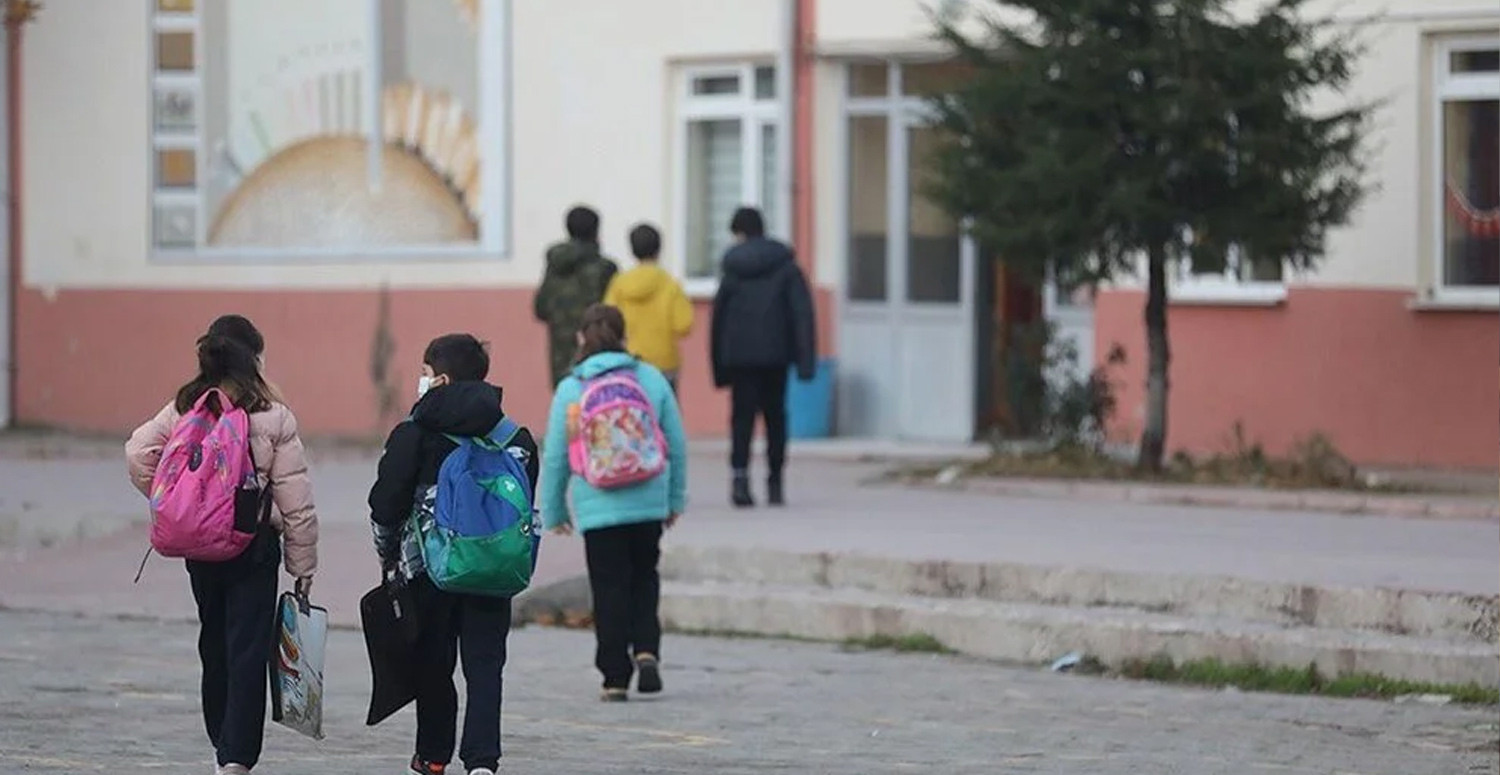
(1035, 634)
(1440, 507)
(1394, 611)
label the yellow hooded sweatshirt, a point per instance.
(657, 313)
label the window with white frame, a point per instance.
(336, 126)
(729, 140)
(1468, 154)
(1239, 270)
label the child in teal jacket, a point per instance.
(621, 527)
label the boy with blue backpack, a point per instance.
(452, 513)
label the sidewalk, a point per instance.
(833, 510)
(121, 697)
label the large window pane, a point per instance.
(770, 182)
(932, 263)
(713, 191)
(869, 196)
(1471, 193)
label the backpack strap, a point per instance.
(505, 432)
(500, 437)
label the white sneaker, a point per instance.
(481, 771)
(232, 769)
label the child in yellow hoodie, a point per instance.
(657, 312)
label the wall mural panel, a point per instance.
(356, 126)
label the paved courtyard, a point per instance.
(113, 695)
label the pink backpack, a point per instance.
(617, 441)
(205, 479)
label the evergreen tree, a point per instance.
(1099, 135)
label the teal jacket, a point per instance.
(650, 501)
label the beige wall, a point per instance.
(591, 122)
(1389, 244)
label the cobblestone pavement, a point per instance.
(110, 695)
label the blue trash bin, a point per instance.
(809, 405)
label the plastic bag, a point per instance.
(297, 665)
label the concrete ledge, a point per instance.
(1035, 634)
(560, 601)
(1446, 507)
(1452, 616)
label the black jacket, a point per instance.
(416, 449)
(763, 313)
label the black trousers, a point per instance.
(622, 564)
(236, 614)
(472, 630)
(759, 391)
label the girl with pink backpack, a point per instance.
(214, 462)
(615, 448)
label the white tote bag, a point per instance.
(297, 665)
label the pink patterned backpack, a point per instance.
(206, 502)
(616, 439)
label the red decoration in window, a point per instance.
(1480, 224)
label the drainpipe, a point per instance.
(786, 99)
(794, 86)
(17, 14)
(804, 201)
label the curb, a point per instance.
(1417, 613)
(1454, 508)
(1035, 635)
(559, 603)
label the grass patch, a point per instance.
(1288, 680)
(735, 634)
(919, 643)
(1313, 463)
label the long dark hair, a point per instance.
(229, 359)
(603, 330)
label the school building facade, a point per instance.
(358, 176)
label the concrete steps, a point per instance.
(1020, 613)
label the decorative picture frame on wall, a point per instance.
(176, 111)
(175, 224)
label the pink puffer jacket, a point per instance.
(279, 459)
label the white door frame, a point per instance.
(900, 316)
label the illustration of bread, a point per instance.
(316, 191)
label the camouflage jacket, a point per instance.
(577, 276)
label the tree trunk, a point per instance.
(1158, 356)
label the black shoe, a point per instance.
(774, 494)
(739, 493)
(420, 766)
(648, 674)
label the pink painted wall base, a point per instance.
(1389, 385)
(107, 360)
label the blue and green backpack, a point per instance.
(481, 538)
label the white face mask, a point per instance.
(424, 384)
